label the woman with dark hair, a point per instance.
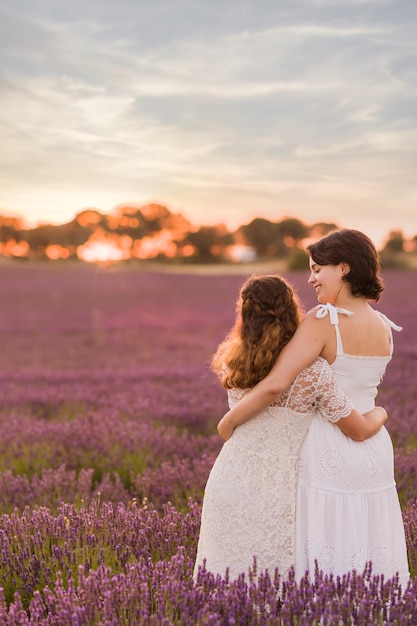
(355, 250)
(348, 511)
(250, 496)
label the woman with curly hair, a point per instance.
(250, 497)
(348, 512)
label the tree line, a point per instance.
(154, 232)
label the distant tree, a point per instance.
(89, 218)
(69, 235)
(129, 221)
(40, 237)
(153, 218)
(263, 236)
(297, 259)
(291, 228)
(10, 228)
(209, 242)
(320, 229)
(78, 234)
(145, 221)
(395, 241)
(393, 260)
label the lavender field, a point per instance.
(108, 419)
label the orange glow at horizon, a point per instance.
(55, 252)
(152, 246)
(101, 251)
(12, 248)
(103, 247)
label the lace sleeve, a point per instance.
(332, 402)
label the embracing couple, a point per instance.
(306, 473)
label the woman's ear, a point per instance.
(345, 269)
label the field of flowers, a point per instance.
(108, 431)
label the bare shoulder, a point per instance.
(312, 321)
(315, 336)
(314, 310)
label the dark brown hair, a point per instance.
(359, 252)
(268, 314)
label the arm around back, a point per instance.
(335, 406)
(301, 350)
(360, 427)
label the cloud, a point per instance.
(245, 105)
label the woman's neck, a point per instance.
(352, 303)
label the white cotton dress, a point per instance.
(249, 502)
(348, 510)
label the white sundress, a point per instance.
(348, 510)
(250, 496)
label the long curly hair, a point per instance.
(268, 313)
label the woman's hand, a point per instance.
(225, 428)
(360, 427)
(383, 415)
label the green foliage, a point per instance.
(390, 259)
(395, 241)
(297, 260)
(293, 228)
(264, 237)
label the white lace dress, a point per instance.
(249, 502)
(348, 510)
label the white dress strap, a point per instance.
(330, 309)
(333, 312)
(391, 327)
(390, 322)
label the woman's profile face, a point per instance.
(327, 281)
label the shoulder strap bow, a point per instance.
(330, 309)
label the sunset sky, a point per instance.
(222, 110)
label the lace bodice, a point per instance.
(249, 501)
(315, 388)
